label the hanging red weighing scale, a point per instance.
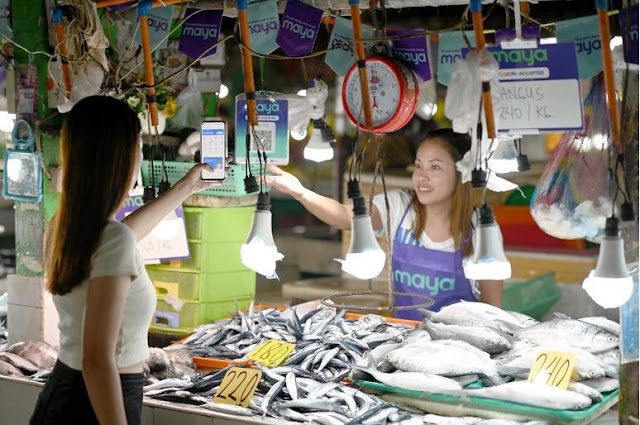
(393, 90)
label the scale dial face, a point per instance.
(389, 90)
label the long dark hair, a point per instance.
(457, 145)
(98, 150)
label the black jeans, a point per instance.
(64, 399)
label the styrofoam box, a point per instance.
(28, 291)
(33, 323)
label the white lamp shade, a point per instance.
(259, 252)
(317, 150)
(365, 259)
(489, 261)
(610, 284)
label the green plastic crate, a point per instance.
(210, 258)
(193, 313)
(218, 224)
(232, 186)
(203, 287)
(532, 297)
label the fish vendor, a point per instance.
(431, 225)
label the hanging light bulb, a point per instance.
(610, 284)
(7, 121)
(365, 259)
(259, 252)
(489, 261)
(319, 147)
(505, 157)
(298, 134)
(302, 92)
(224, 91)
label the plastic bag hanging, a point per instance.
(572, 199)
(190, 107)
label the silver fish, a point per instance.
(533, 394)
(291, 385)
(465, 380)
(167, 383)
(414, 381)
(416, 335)
(19, 362)
(602, 385)
(571, 332)
(524, 320)
(7, 369)
(229, 409)
(473, 314)
(481, 338)
(604, 323)
(610, 357)
(578, 387)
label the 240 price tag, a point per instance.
(553, 368)
(272, 353)
(238, 386)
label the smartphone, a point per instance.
(213, 151)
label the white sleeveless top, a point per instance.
(117, 254)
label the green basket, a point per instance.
(532, 297)
(218, 224)
(210, 258)
(193, 314)
(232, 186)
(202, 287)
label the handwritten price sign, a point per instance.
(272, 353)
(553, 368)
(238, 386)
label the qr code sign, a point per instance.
(266, 132)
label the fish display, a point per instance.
(28, 358)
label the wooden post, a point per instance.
(487, 101)
(143, 10)
(362, 68)
(64, 54)
(247, 63)
(607, 65)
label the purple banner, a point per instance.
(529, 32)
(412, 52)
(200, 32)
(629, 25)
(299, 28)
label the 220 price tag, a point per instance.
(553, 368)
(238, 386)
(272, 353)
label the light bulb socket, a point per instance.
(353, 189)
(326, 133)
(612, 227)
(264, 202)
(359, 206)
(523, 163)
(251, 184)
(163, 187)
(486, 215)
(478, 178)
(626, 211)
(149, 194)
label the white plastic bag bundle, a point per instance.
(189, 114)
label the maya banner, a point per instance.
(264, 24)
(299, 28)
(159, 20)
(529, 32)
(629, 25)
(341, 56)
(200, 31)
(272, 130)
(586, 36)
(539, 89)
(450, 47)
(412, 52)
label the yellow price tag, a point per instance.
(553, 368)
(238, 386)
(272, 353)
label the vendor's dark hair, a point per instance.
(98, 152)
(457, 145)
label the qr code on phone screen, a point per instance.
(266, 133)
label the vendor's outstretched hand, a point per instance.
(285, 182)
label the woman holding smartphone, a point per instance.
(95, 272)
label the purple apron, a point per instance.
(423, 271)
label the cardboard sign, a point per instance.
(200, 31)
(272, 131)
(167, 241)
(272, 353)
(585, 34)
(553, 368)
(238, 386)
(539, 89)
(159, 26)
(341, 57)
(450, 47)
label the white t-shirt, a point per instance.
(117, 254)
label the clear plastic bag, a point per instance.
(190, 106)
(572, 199)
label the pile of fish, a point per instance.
(28, 358)
(168, 364)
(4, 333)
(469, 342)
(326, 344)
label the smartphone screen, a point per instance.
(214, 149)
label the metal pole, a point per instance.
(487, 101)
